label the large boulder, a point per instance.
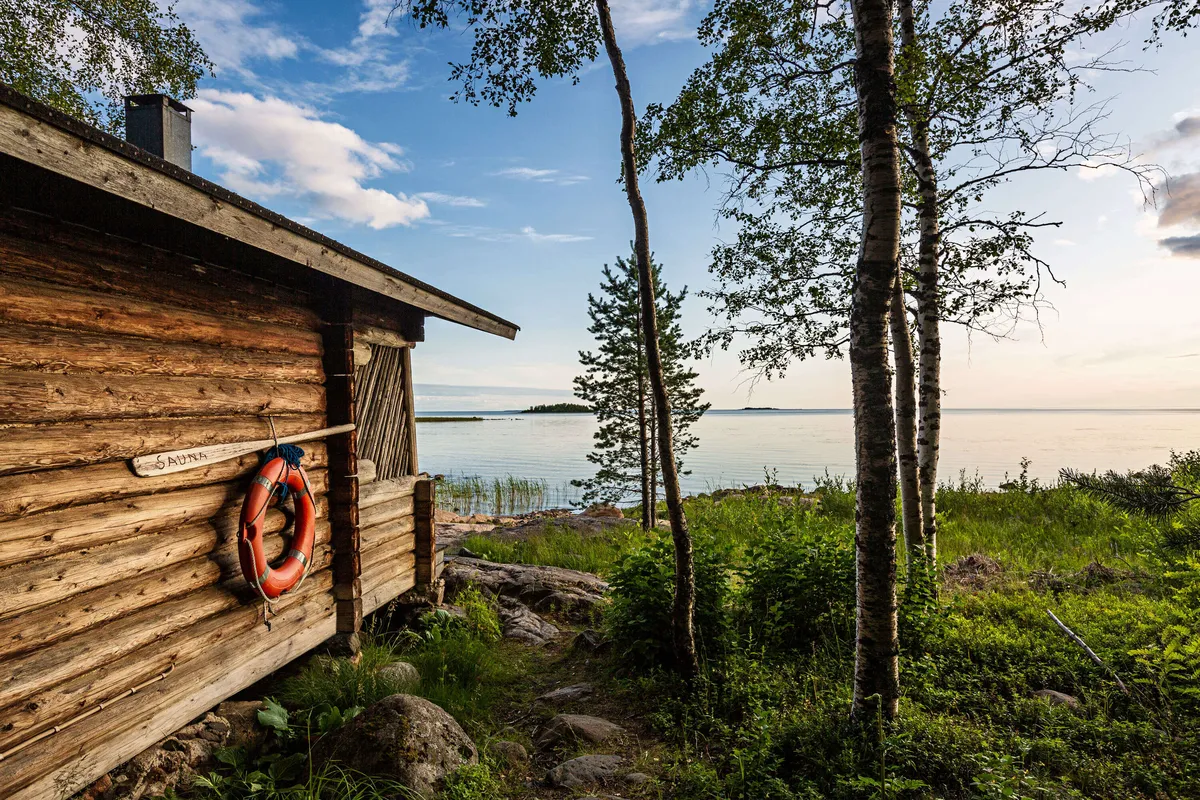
(561, 589)
(402, 737)
(602, 511)
(518, 622)
(571, 729)
(401, 673)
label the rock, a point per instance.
(402, 672)
(637, 778)
(585, 771)
(403, 737)
(478, 519)
(242, 718)
(442, 515)
(528, 583)
(567, 693)
(171, 762)
(518, 622)
(574, 728)
(573, 604)
(511, 753)
(1056, 698)
(602, 510)
(589, 641)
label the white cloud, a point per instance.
(540, 175)
(269, 147)
(230, 35)
(527, 234)
(533, 236)
(649, 21)
(451, 200)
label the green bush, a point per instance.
(643, 587)
(327, 683)
(799, 588)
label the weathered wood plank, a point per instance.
(388, 491)
(26, 448)
(410, 414)
(366, 472)
(425, 528)
(32, 303)
(53, 532)
(43, 349)
(382, 513)
(36, 142)
(42, 626)
(24, 494)
(371, 335)
(202, 654)
(384, 591)
(29, 584)
(386, 561)
(77, 257)
(386, 539)
(46, 397)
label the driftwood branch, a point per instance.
(1074, 637)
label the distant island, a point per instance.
(559, 408)
(759, 408)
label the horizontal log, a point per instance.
(51, 580)
(207, 641)
(23, 494)
(26, 448)
(33, 303)
(75, 614)
(38, 348)
(48, 397)
(371, 335)
(385, 512)
(71, 529)
(401, 529)
(379, 492)
(366, 472)
(382, 588)
(362, 353)
(386, 562)
(27, 674)
(75, 257)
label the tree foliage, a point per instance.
(615, 381)
(84, 56)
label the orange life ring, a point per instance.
(272, 581)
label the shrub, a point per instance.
(799, 588)
(337, 683)
(643, 586)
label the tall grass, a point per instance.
(560, 546)
(464, 494)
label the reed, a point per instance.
(509, 495)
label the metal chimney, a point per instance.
(160, 125)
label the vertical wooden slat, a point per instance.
(424, 503)
(343, 472)
(410, 431)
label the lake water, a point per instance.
(737, 446)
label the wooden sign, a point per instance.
(180, 460)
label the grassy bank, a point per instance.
(769, 719)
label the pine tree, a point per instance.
(616, 385)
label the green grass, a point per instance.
(559, 546)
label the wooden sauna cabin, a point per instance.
(142, 310)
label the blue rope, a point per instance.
(291, 454)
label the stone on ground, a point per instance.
(602, 510)
(402, 737)
(518, 622)
(574, 728)
(402, 672)
(1056, 698)
(510, 753)
(586, 771)
(566, 694)
(569, 589)
(157, 770)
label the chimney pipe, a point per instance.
(160, 125)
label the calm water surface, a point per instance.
(737, 446)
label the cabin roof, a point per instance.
(44, 137)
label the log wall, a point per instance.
(110, 350)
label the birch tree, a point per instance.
(516, 43)
(84, 57)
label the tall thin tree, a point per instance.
(516, 42)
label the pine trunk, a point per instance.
(653, 467)
(685, 586)
(906, 431)
(928, 311)
(876, 667)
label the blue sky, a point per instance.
(325, 114)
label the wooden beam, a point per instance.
(426, 531)
(34, 141)
(410, 413)
(370, 335)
